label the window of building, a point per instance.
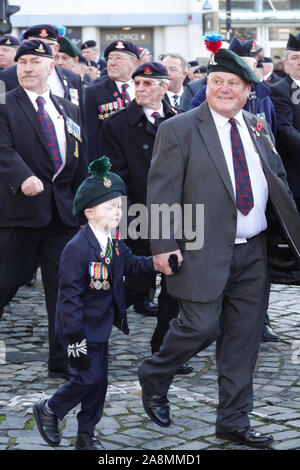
(281, 33)
(241, 32)
(257, 5)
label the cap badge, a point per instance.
(40, 49)
(8, 41)
(107, 182)
(253, 47)
(120, 45)
(147, 71)
(212, 60)
(43, 33)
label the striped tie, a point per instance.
(156, 117)
(244, 196)
(125, 94)
(50, 134)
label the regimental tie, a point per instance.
(176, 100)
(244, 195)
(125, 94)
(108, 255)
(156, 117)
(50, 134)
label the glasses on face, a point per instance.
(146, 83)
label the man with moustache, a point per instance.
(41, 167)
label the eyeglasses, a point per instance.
(146, 83)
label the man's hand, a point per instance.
(161, 261)
(32, 186)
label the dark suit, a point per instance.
(35, 228)
(128, 139)
(80, 308)
(189, 168)
(103, 92)
(285, 95)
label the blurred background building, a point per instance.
(165, 25)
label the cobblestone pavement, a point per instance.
(125, 425)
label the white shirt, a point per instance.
(296, 81)
(58, 121)
(148, 113)
(55, 84)
(130, 90)
(171, 96)
(255, 222)
(101, 237)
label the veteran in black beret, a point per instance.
(128, 139)
(222, 275)
(8, 46)
(41, 166)
(285, 96)
(112, 93)
(91, 52)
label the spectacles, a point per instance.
(146, 83)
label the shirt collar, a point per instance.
(221, 121)
(296, 81)
(101, 237)
(171, 93)
(33, 95)
(148, 112)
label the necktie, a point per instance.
(176, 101)
(50, 134)
(156, 116)
(125, 94)
(244, 196)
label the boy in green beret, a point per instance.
(90, 301)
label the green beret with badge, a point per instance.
(101, 186)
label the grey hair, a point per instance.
(178, 56)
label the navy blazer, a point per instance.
(24, 152)
(81, 308)
(104, 91)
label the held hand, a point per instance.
(32, 186)
(161, 261)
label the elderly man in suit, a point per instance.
(285, 95)
(222, 158)
(41, 166)
(111, 93)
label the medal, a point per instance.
(76, 153)
(105, 284)
(97, 284)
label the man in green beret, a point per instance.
(220, 164)
(68, 54)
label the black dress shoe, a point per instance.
(185, 369)
(31, 281)
(157, 408)
(268, 335)
(146, 307)
(47, 424)
(65, 373)
(85, 441)
(247, 436)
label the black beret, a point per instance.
(266, 59)
(122, 46)
(151, 70)
(34, 47)
(259, 64)
(10, 41)
(293, 43)
(193, 63)
(42, 31)
(68, 47)
(87, 44)
(242, 47)
(201, 69)
(100, 187)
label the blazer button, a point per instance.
(145, 147)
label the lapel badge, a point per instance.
(76, 152)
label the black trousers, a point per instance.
(137, 288)
(21, 249)
(235, 320)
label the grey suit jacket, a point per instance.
(188, 169)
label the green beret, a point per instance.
(68, 47)
(225, 60)
(101, 186)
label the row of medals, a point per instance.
(97, 284)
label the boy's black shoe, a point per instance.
(85, 441)
(47, 424)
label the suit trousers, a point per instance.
(21, 249)
(138, 288)
(235, 320)
(88, 388)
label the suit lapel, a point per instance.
(69, 138)
(32, 116)
(97, 248)
(211, 140)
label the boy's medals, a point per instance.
(94, 270)
(105, 284)
(97, 284)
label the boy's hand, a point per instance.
(77, 352)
